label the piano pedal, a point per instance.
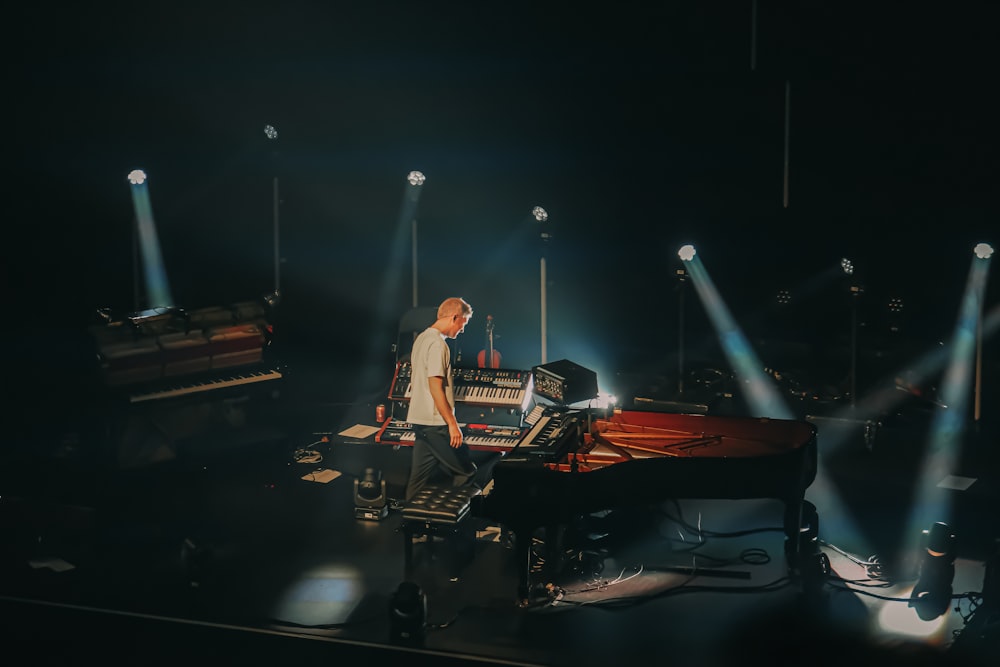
(507, 539)
(555, 593)
(489, 534)
(541, 593)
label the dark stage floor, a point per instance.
(226, 551)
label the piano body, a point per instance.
(634, 458)
(168, 375)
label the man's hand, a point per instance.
(455, 435)
(435, 384)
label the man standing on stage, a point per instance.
(438, 449)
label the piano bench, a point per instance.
(436, 511)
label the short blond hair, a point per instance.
(454, 306)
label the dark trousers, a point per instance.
(435, 460)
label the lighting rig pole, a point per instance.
(681, 280)
(413, 260)
(416, 180)
(983, 251)
(136, 299)
(541, 216)
(856, 290)
(686, 253)
(272, 135)
(979, 365)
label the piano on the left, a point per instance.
(170, 378)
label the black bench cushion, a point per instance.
(440, 504)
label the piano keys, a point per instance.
(479, 437)
(148, 423)
(204, 383)
(490, 387)
(487, 437)
(497, 396)
(554, 434)
(488, 395)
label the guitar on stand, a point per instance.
(489, 357)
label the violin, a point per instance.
(489, 357)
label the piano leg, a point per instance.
(802, 552)
(554, 551)
(554, 557)
(523, 539)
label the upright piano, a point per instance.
(168, 374)
(634, 458)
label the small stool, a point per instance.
(434, 511)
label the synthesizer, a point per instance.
(553, 434)
(491, 387)
(481, 437)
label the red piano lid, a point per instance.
(643, 434)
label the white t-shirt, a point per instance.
(430, 357)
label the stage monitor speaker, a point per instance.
(564, 382)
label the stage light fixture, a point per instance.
(687, 253)
(270, 132)
(370, 501)
(272, 299)
(416, 178)
(932, 594)
(784, 297)
(847, 266)
(801, 546)
(137, 177)
(540, 214)
(407, 614)
(983, 250)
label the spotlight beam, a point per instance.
(763, 398)
(272, 135)
(406, 225)
(157, 287)
(933, 500)
(889, 394)
(983, 251)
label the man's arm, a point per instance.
(435, 384)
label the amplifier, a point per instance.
(564, 382)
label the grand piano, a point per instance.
(630, 458)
